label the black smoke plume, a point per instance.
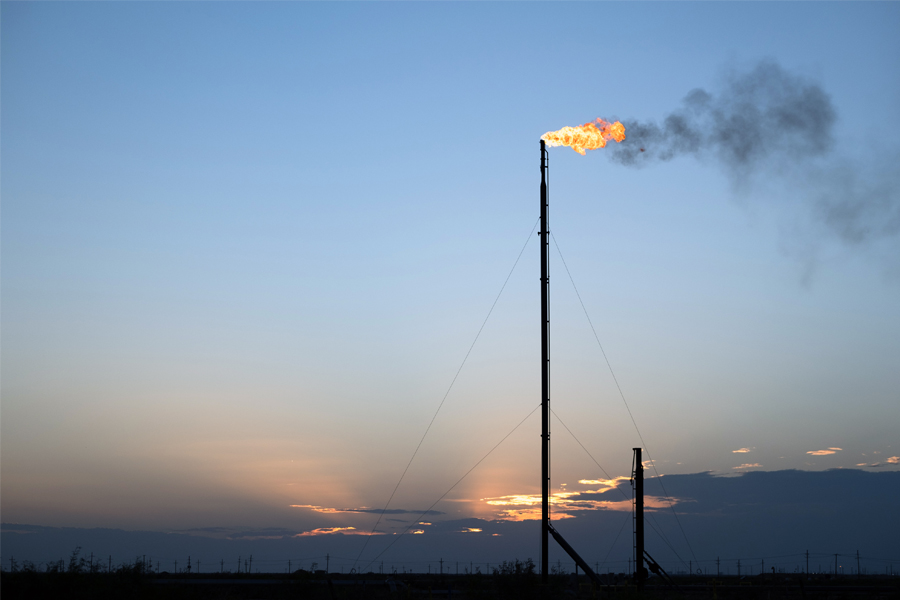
(769, 122)
(758, 115)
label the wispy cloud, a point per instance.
(748, 466)
(10, 529)
(471, 530)
(741, 450)
(528, 514)
(891, 460)
(364, 509)
(333, 530)
(527, 507)
(824, 452)
(239, 533)
(607, 484)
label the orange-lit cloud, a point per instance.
(891, 460)
(527, 507)
(824, 452)
(747, 466)
(322, 509)
(741, 451)
(608, 484)
(417, 531)
(471, 530)
(528, 514)
(333, 530)
(424, 523)
(364, 509)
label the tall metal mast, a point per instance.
(547, 529)
(545, 371)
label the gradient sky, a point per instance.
(245, 248)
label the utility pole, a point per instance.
(807, 563)
(327, 558)
(857, 565)
(442, 566)
(109, 568)
(835, 565)
(189, 565)
(176, 565)
(739, 567)
(718, 571)
(289, 565)
(239, 565)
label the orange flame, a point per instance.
(589, 136)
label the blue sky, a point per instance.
(245, 248)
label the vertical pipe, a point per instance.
(545, 374)
(638, 518)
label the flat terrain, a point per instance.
(134, 584)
